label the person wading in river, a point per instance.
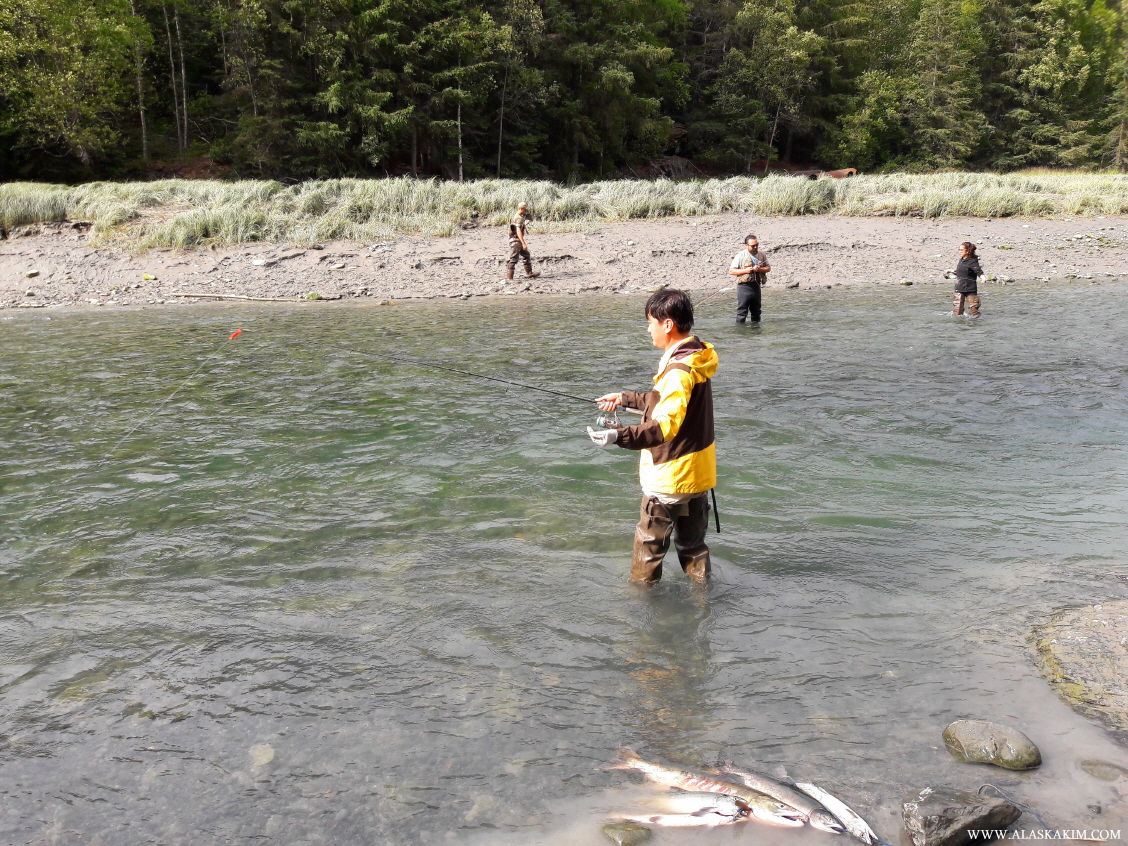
(750, 267)
(518, 243)
(678, 464)
(967, 275)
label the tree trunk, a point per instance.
(771, 140)
(241, 45)
(141, 94)
(1121, 160)
(175, 88)
(460, 122)
(183, 77)
(414, 151)
(501, 119)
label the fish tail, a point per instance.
(626, 754)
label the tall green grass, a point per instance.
(190, 213)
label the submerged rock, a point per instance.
(1082, 653)
(942, 816)
(983, 742)
(1104, 770)
(261, 755)
(626, 834)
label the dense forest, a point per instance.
(559, 89)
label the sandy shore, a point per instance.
(53, 265)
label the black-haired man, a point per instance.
(678, 464)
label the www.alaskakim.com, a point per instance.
(1044, 834)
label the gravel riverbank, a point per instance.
(53, 265)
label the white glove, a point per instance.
(603, 437)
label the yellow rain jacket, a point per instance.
(676, 432)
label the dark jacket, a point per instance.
(967, 272)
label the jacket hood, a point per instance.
(699, 356)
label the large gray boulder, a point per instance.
(942, 816)
(983, 742)
(1083, 654)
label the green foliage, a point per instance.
(567, 89)
(63, 72)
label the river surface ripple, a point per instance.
(323, 598)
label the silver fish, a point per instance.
(815, 814)
(854, 823)
(698, 818)
(761, 807)
(691, 803)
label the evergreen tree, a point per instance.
(556, 88)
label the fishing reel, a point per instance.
(608, 420)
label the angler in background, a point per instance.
(751, 268)
(967, 275)
(678, 464)
(519, 244)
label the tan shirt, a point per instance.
(519, 223)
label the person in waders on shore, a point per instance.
(750, 267)
(519, 244)
(678, 464)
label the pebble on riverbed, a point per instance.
(983, 742)
(1104, 770)
(942, 816)
(626, 834)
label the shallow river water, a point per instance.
(320, 597)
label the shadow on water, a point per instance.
(670, 664)
(326, 598)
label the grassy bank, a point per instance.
(188, 213)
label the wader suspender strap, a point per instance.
(716, 513)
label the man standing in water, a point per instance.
(678, 465)
(518, 243)
(750, 267)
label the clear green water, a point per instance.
(407, 589)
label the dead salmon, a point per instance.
(850, 818)
(814, 812)
(763, 808)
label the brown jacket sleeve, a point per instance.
(646, 434)
(643, 402)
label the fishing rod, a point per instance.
(179, 388)
(417, 362)
(715, 293)
(421, 363)
(399, 359)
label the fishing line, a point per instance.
(179, 388)
(714, 294)
(1018, 805)
(417, 362)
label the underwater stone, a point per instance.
(1081, 652)
(626, 834)
(261, 755)
(983, 742)
(942, 816)
(1104, 770)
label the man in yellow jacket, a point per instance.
(678, 465)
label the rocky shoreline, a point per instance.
(60, 264)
